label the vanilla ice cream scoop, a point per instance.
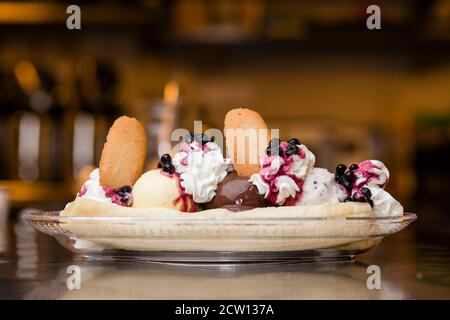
(320, 187)
(156, 188)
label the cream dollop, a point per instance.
(374, 175)
(303, 163)
(281, 177)
(320, 186)
(286, 188)
(93, 190)
(384, 205)
(201, 169)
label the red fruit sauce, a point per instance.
(271, 177)
(115, 198)
(185, 200)
(82, 191)
(365, 169)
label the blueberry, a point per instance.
(348, 185)
(291, 149)
(353, 167)
(166, 158)
(126, 199)
(357, 198)
(294, 141)
(169, 168)
(290, 152)
(366, 192)
(340, 169)
(167, 165)
(349, 176)
(123, 190)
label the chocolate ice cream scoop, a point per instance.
(236, 193)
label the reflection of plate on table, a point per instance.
(117, 280)
(264, 234)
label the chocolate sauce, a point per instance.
(236, 193)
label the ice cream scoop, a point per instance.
(320, 187)
(236, 193)
(157, 188)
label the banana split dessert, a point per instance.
(193, 198)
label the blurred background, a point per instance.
(311, 68)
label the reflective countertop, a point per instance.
(414, 264)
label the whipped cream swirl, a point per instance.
(201, 169)
(365, 182)
(281, 177)
(93, 190)
(374, 175)
(384, 205)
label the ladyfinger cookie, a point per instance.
(247, 136)
(124, 153)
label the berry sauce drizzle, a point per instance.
(270, 176)
(185, 200)
(118, 196)
(356, 178)
(82, 191)
(365, 169)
